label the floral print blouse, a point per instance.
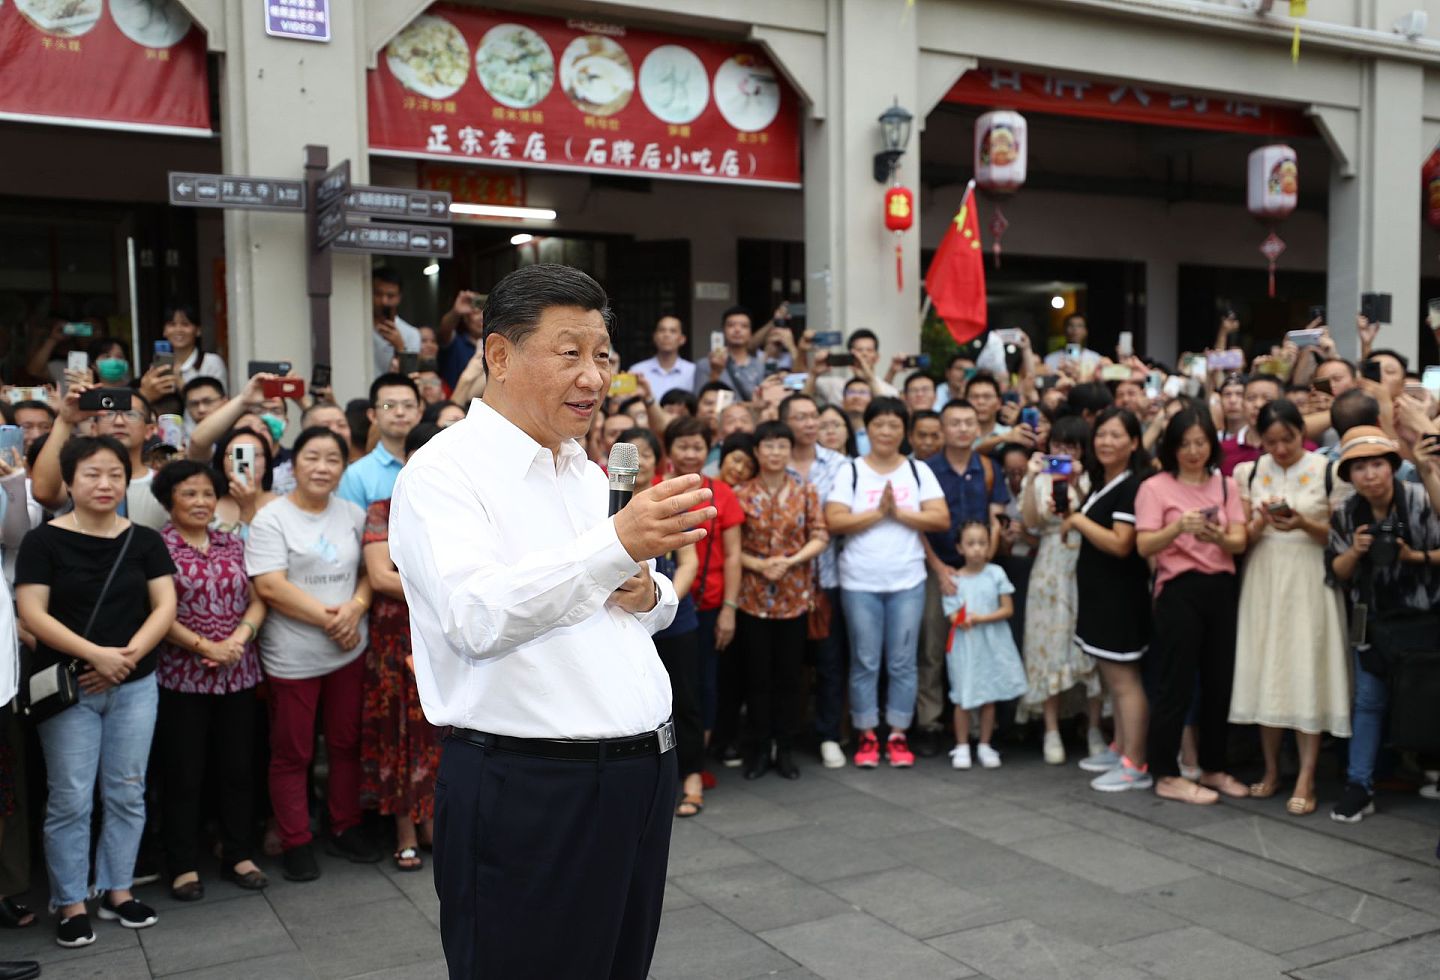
(778, 524)
(213, 593)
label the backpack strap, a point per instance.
(915, 473)
(854, 481)
(1330, 479)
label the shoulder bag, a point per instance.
(50, 690)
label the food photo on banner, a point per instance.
(477, 86)
(116, 64)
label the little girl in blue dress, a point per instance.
(981, 658)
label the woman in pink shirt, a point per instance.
(1188, 519)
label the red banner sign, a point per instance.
(478, 86)
(1066, 96)
(468, 185)
(113, 64)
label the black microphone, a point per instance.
(623, 465)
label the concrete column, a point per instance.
(875, 42)
(1374, 222)
(294, 93)
(1162, 309)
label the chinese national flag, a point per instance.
(956, 280)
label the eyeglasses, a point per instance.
(129, 416)
(407, 406)
(195, 403)
(832, 424)
(804, 416)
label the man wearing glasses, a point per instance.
(131, 425)
(394, 410)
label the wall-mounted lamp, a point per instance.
(895, 132)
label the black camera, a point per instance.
(1385, 543)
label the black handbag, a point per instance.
(50, 690)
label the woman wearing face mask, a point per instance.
(1054, 665)
(1384, 548)
(304, 554)
(882, 502)
(109, 362)
(1112, 623)
(1189, 520)
(1288, 678)
(182, 329)
(242, 495)
(717, 583)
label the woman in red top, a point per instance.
(784, 531)
(717, 586)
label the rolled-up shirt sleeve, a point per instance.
(450, 560)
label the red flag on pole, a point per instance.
(956, 280)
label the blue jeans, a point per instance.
(1367, 724)
(108, 735)
(888, 624)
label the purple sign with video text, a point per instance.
(304, 20)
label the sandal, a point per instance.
(408, 859)
(694, 802)
(1263, 790)
(1300, 806)
(1169, 789)
(13, 915)
(1223, 782)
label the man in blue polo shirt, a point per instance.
(394, 410)
(974, 491)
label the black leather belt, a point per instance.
(658, 742)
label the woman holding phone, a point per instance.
(1189, 521)
(243, 462)
(182, 330)
(1289, 678)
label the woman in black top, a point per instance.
(105, 737)
(1113, 595)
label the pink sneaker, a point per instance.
(898, 750)
(868, 755)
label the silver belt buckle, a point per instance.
(666, 734)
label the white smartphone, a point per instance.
(1126, 347)
(77, 360)
(717, 340)
(242, 462)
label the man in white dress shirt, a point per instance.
(531, 614)
(667, 369)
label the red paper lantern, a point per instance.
(1272, 189)
(1002, 153)
(899, 216)
(899, 209)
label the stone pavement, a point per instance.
(930, 874)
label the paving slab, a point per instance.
(700, 944)
(761, 896)
(1106, 861)
(856, 946)
(1305, 850)
(233, 931)
(112, 964)
(1194, 953)
(918, 903)
(1248, 915)
(1022, 950)
(1369, 912)
(280, 966)
(818, 855)
(1413, 959)
(1081, 909)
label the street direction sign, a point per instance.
(328, 224)
(235, 191)
(393, 239)
(403, 203)
(333, 186)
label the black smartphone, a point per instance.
(1370, 370)
(1317, 313)
(1431, 437)
(1322, 385)
(842, 360)
(917, 361)
(1375, 307)
(409, 361)
(281, 368)
(427, 364)
(106, 400)
(1011, 398)
(320, 376)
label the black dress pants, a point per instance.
(681, 657)
(200, 735)
(1195, 620)
(773, 651)
(547, 869)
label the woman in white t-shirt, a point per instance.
(182, 329)
(882, 502)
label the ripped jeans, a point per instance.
(105, 735)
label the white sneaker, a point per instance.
(960, 757)
(1103, 761)
(989, 758)
(1054, 749)
(831, 756)
(1430, 791)
(1095, 740)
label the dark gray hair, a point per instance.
(516, 303)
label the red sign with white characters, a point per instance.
(477, 86)
(113, 64)
(1071, 96)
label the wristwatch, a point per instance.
(657, 594)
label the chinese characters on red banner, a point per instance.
(478, 86)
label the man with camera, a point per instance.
(1385, 549)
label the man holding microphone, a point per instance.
(531, 616)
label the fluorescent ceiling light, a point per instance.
(521, 239)
(503, 211)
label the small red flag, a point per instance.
(956, 280)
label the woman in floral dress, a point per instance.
(399, 749)
(1053, 664)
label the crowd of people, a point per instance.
(1178, 548)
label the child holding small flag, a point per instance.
(981, 658)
